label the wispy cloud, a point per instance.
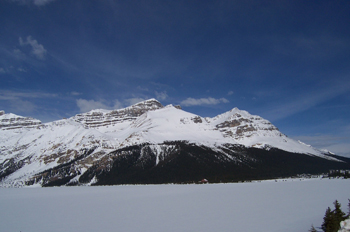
(337, 144)
(203, 101)
(18, 54)
(24, 106)
(87, 105)
(38, 50)
(319, 140)
(74, 93)
(132, 101)
(21, 69)
(11, 95)
(339, 149)
(42, 2)
(35, 2)
(161, 95)
(23, 101)
(319, 46)
(306, 101)
(2, 71)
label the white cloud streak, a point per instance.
(87, 105)
(161, 95)
(24, 106)
(74, 93)
(12, 95)
(203, 101)
(21, 70)
(306, 101)
(18, 54)
(339, 149)
(35, 2)
(132, 101)
(38, 50)
(22, 101)
(42, 2)
(337, 144)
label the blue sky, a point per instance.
(287, 61)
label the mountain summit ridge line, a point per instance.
(78, 150)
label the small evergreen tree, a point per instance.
(328, 224)
(349, 208)
(339, 215)
(332, 219)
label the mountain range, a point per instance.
(148, 143)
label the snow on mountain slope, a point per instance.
(12, 121)
(28, 147)
(254, 131)
(171, 124)
(235, 127)
(30, 151)
(26, 151)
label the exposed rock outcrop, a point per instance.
(12, 121)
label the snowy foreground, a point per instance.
(269, 206)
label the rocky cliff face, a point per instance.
(12, 121)
(99, 118)
(93, 147)
(239, 125)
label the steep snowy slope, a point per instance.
(77, 149)
(26, 151)
(254, 131)
(172, 124)
(234, 127)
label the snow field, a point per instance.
(269, 206)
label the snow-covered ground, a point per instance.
(269, 206)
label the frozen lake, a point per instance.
(269, 206)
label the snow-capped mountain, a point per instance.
(12, 121)
(88, 148)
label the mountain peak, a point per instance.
(98, 118)
(13, 121)
(148, 100)
(151, 104)
(231, 114)
(243, 113)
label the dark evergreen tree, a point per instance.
(349, 208)
(332, 219)
(339, 215)
(328, 224)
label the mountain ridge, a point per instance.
(66, 151)
(13, 121)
